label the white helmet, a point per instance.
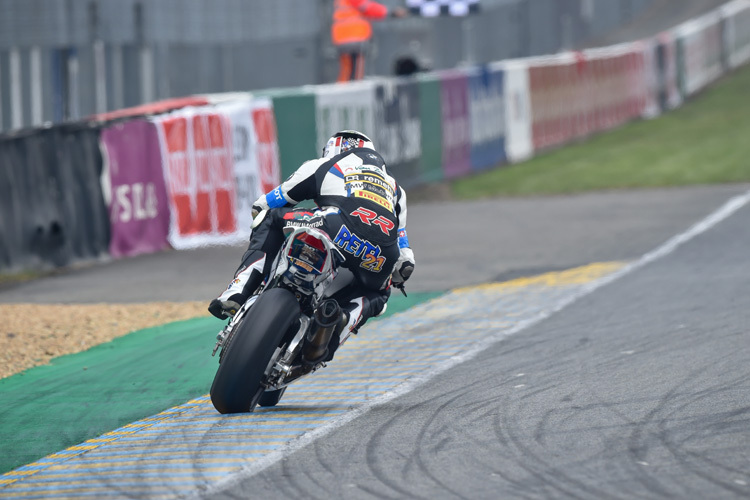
(344, 141)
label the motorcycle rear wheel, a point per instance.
(238, 380)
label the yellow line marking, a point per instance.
(168, 455)
(202, 472)
(214, 442)
(156, 462)
(575, 276)
(72, 492)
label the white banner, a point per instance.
(255, 154)
(702, 45)
(518, 143)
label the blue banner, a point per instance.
(486, 117)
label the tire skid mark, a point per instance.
(699, 463)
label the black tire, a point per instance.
(237, 381)
(271, 398)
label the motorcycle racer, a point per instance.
(362, 209)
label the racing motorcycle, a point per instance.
(281, 334)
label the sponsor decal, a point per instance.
(299, 215)
(377, 191)
(372, 218)
(373, 197)
(275, 199)
(303, 223)
(370, 184)
(352, 244)
(301, 263)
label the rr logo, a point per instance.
(369, 217)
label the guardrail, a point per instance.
(183, 173)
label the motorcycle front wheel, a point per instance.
(237, 385)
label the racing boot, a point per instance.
(355, 314)
(247, 279)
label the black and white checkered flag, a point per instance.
(433, 8)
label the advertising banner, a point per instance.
(553, 85)
(398, 134)
(454, 103)
(134, 190)
(255, 155)
(575, 94)
(518, 143)
(700, 52)
(431, 161)
(344, 107)
(487, 116)
(196, 150)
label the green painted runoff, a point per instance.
(81, 396)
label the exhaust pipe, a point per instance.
(327, 316)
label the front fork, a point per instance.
(225, 334)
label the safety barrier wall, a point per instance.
(183, 173)
(700, 49)
(574, 95)
(737, 15)
(51, 204)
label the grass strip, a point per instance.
(81, 396)
(703, 142)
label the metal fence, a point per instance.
(67, 59)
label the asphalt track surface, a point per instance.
(640, 389)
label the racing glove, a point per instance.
(404, 266)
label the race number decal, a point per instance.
(366, 251)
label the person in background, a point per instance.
(351, 31)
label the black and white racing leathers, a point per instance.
(360, 207)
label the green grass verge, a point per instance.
(706, 141)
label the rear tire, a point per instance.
(244, 362)
(271, 398)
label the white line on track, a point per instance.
(725, 211)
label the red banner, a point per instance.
(574, 95)
(197, 155)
